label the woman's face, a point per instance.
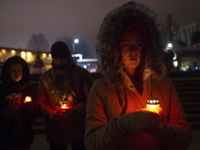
(16, 72)
(130, 47)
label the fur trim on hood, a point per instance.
(115, 23)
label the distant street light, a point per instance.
(76, 41)
(169, 46)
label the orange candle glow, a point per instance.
(153, 105)
(65, 106)
(27, 99)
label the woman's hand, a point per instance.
(138, 120)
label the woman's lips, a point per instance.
(133, 58)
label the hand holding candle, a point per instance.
(65, 106)
(66, 110)
(66, 103)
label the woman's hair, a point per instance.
(5, 72)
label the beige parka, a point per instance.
(115, 95)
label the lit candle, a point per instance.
(66, 106)
(153, 105)
(27, 99)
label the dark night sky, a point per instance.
(64, 19)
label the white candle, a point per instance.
(153, 105)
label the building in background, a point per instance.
(187, 32)
(183, 41)
(187, 59)
(39, 62)
(91, 64)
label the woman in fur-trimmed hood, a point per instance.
(111, 30)
(130, 50)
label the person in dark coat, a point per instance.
(63, 92)
(18, 107)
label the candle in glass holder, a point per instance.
(153, 105)
(27, 99)
(65, 106)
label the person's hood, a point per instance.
(5, 74)
(114, 25)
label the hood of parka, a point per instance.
(114, 25)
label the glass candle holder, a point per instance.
(65, 106)
(153, 105)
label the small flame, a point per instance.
(65, 106)
(27, 99)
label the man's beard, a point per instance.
(60, 71)
(60, 67)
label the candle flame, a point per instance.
(27, 99)
(65, 106)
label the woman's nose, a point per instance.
(133, 47)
